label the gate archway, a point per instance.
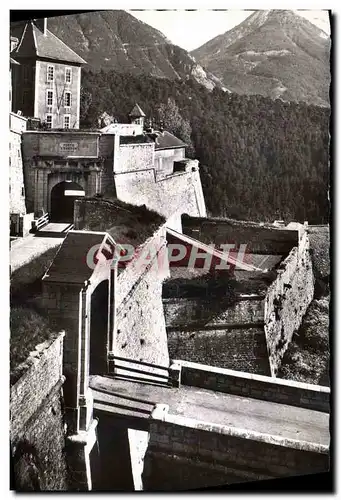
(63, 196)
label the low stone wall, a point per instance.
(184, 453)
(287, 300)
(255, 386)
(36, 421)
(259, 238)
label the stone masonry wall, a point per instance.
(134, 157)
(58, 86)
(255, 386)
(140, 324)
(242, 348)
(204, 331)
(36, 418)
(258, 238)
(16, 170)
(180, 312)
(184, 454)
(179, 193)
(52, 144)
(287, 300)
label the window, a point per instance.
(68, 75)
(67, 99)
(50, 73)
(49, 121)
(67, 120)
(49, 97)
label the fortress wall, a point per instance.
(205, 312)
(135, 157)
(164, 160)
(50, 143)
(185, 453)
(241, 348)
(140, 324)
(287, 300)
(259, 239)
(179, 193)
(209, 332)
(16, 169)
(106, 145)
(36, 415)
(255, 386)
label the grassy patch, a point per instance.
(28, 324)
(126, 223)
(26, 281)
(28, 329)
(307, 357)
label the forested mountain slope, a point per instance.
(261, 159)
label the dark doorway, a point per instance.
(63, 197)
(99, 329)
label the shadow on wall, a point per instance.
(26, 469)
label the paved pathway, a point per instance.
(214, 407)
(23, 250)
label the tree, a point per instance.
(169, 115)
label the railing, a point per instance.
(39, 223)
(171, 377)
(114, 363)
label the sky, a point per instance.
(190, 29)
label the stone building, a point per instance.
(46, 84)
(132, 165)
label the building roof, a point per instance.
(135, 139)
(136, 112)
(70, 263)
(33, 43)
(166, 140)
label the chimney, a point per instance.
(41, 24)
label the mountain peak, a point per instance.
(275, 53)
(116, 40)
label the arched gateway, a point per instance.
(63, 196)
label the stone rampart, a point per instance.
(287, 300)
(181, 312)
(255, 386)
(140, 325)
(184, 453)
(210, 332)
(16, 170)
(135, 157)
(36, 418)
(259, 238)
(176, 194)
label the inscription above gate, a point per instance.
(69, 144)
(68, 147)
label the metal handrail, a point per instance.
(113, 357)
(37, 224)
(136, 370)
